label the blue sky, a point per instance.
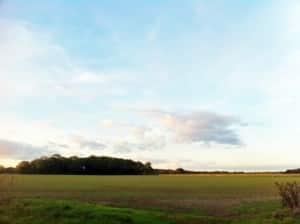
(199, 84)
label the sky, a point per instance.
(198, 84)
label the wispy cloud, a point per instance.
(30, 61)
(19, 150)
(34, 65)
(139, 144)
(87, 144)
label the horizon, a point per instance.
(156, 168)
(202, 85)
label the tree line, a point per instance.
(92, 165)
(100, 165)
(293, 171)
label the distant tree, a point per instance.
(148, 165)
(293, 171)
(148, 168)
(10, 170)
(24, 167)
(2, 169)
(57, 164)
(57, 156)
(180, 170)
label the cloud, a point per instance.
(123, 146)
(115, 124)
(84, 143)
(133, 137)
(144, 144)
(175, 128)
(58, 145)
(103, 78)
(90, 84)
(30, 62)
(19, 150)
(140, 131)
(205, 127)
(33, 65)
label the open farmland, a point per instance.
(183, 193)
(209, 195)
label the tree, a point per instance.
(24, 167)
(57, 164)
(2, 169)
(180, 170)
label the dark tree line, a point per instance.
(293, 171)
(7, 169)
(57, 164)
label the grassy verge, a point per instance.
(264, 213)
(38, 211)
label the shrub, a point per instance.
(289, 193)
(6, 185)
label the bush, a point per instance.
(289, 193)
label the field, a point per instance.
(241, 198)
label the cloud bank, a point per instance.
(19, 150)
(205, 127)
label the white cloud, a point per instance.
(140, 131)
(134, 137)
(34, 65)
(115, 124)
(87, 144)
(29, 62)
(36, 132)
(144, 144)
(103, 78)
(174, 128)
(205, 127)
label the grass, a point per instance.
(200, 194)
(40, 211)
(49, 211)
(209, 198)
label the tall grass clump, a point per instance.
(6, 185)
(2, 186)
(289, 193)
